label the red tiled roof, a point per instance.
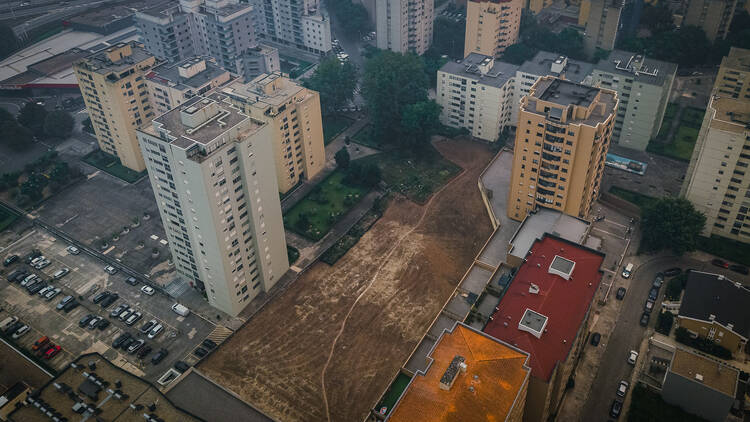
(563, 302)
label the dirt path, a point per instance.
(357, 322)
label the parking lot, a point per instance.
(87, 278)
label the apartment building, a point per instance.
(643, 86)
(713, 16)
(296, 127)
(602, 25)
(213, 176)
(491, 26)
(223, 29)
(562, 139)
(476, 93)
(717, 180)
(536, 6)
(113, 84)
(171, 84)
(296, 23)
(404, 26)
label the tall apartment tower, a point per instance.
(643, 86)
(171, 84)
(562, 139)
(114, 90)
(491, 26)
(214, 180)
(404, 26)
(713, 16)
(297, 23)
(296, 127)
(718, 177)
(602, 25)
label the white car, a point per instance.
(52, 293)
(622, 389)
(42, 264)
(155, 331)
(73, 250)
(110, 269)
(632, 357)
(36, 260)
(60, 273)
(21, 331)
(148, 290)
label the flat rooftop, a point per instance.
(469, 68)
(650, 71)
(738, 58)
(714, 374)
(159, 10)
(252, 92)
(542, 221)
(101, 63)
(731, 113)
(227, 9)
(712, 295)
(98, 388)
(564, 303)
(565, 93)
(168, 74)
(495, 375)
(541, 64)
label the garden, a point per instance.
(112, 165)
(681, 146)
(342, 246)
(37, 181)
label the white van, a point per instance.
(180, 309)
(627, 271)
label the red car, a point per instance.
(40, 343)
(720, 263)
(54, 350)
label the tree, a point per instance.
(671, 223)
(419, 122)
(32, 117)
(58, 124)
(518, 54)
(342, 158)
(8, 41)
(335, 81)
(657, 18)
(15, 136)
(352, 15)
(391, 82)
(449, 37)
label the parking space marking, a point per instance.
(617, 224)
(611, 234)
(17, 241)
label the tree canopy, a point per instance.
(419, 121)
(671, 223)
(15, 136)
(352, 16)
(449, 37)
(58, 124)
(32, 116)
(342, 158)
(534, 37)
(335, 81)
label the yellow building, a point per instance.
(536, 6)
(114, 90)
(562, 138)
(713, 16)
(491, 26)
(293, 112)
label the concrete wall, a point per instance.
(722, 336)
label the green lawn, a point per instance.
(726, 248)
(692, 117)
(111, 165)
(666, 124)
(414, 175)
(681, 147)
(633, 197)
(333, 125)
(394, 392)
(7, 217)
(324, 208)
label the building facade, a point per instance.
(562, 138)
(404, 26)
(297, 23)
(113, 84)
(602, 25)
(491, 26)
(643, 87)
(717, 177)
(477, 93)
(296, 127)
(713, 16)
(171, 84)
(213, 176)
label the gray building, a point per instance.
(643, 86)
(297, 23)
(700, 385)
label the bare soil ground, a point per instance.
(328, 347)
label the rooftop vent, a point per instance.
(533, 322)
(533, 289)
(451, 373)
(699, 377)
(562, 267)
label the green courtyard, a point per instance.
(112, 165)
(683, 142)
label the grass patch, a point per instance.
(112, 165)
(366, 138)
(7, 217)
(414, 175)
(633, 197)
(682, 145)
(340, 248)
(333, 125)
(293, 66)
(648, 406)
(726, 248)
(394, 392)
(692, 117)
(292, 253)
(322, 208)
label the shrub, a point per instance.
(664, 323)
(703, 344)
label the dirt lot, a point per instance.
(328, 347)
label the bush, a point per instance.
(676, 286)
(664, 323)
(703, 344)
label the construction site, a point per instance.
(328, 346)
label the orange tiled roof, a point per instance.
(500, 371)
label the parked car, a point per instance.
(739, 269)
(155, 331)
(28, 280)
(94, 322)
(148, 326)
(146, 349)
(159, 356)
(109, 300)
(10, 260)
(200, 352)
(128, 341)
(40, 342)
(720, 263)
(73, 250)
(181, 366)
(632, 357)
(622, 389)
(110, 269)
(653, 293)
(148, 290)
(103, 324)
(135, 346)
(615, 409)
(126, 314)
(42, 264)
(16, 275)
(52, 352)
(60, 273)
(64, 301)
(118, 310)
(132, 319)
(99, 297)
(37, 287)
(658, 281)
(595, 338)
(52, 293)
(21, 331)
(210, 344)
(620, 295)
(45, 290)
(120, 339)
(85, 320)
(673, 272)
(648, 306)
(180, 309)
(645, 317)
(70, 306)
(7, 322)
(35, 253)
(132, 281)
(13, 327)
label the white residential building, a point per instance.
(404, 25)
(214, 179)
(170, 85)
(297, 23)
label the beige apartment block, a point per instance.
(563, 135)
(491, 26)
(114, 90)
(602, 24)
(733, 79)
(404, 26)
(713, 16)
(213, 176)
(293, 113)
